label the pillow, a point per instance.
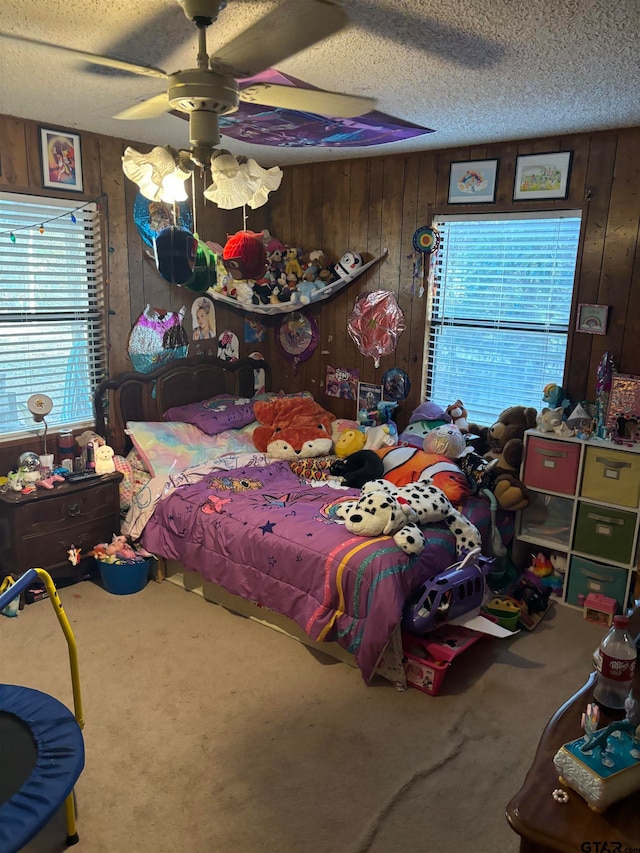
(167, 448)
(214, 415)
(134, 478)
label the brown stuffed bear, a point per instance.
(505, 440)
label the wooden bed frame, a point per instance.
(144, 397)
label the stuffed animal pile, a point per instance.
(259, 269)
(401, 512)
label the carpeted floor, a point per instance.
(208, 733)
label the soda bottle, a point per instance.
(616, 663)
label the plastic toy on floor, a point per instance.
(459, 589)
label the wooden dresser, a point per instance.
(37, 530)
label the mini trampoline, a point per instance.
(41, 744)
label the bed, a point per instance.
(254, 535)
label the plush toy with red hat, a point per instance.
(244, 255)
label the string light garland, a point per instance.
(40, 226)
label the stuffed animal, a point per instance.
(89, 435)
(244, 255)
(549, 419)
(104, 459)
(405, 464)
(292, 264)
(350, 441)
(385, 435)
(292, 428)
(358, 468)
(458, 415)
(348, 264)
(426, 417)
(506, 437)
(400, 512)
(506, 442)
(308, 290)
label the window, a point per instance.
(499, 306)
(52, 331)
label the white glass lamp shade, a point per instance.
(268, 180)
(235, 184)
(157, 175)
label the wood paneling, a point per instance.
(365, 205)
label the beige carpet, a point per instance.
(208, 733)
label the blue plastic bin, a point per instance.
(124, 578)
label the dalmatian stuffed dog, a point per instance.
(400, 512)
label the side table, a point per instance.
(545, 825)
(38, 530)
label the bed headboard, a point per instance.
(145, 396)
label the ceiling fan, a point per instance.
(211, 89)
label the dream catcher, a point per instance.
(375, 324)
(297, 336)
(426, 241)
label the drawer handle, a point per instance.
(73, 510)
(609, 463)
(594, 517)
(595, 577)
(558, 453)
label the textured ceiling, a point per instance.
(474, 71)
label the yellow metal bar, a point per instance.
(71, 642)
(70, 813)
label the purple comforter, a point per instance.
(263, 535)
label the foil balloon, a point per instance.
(376, 323)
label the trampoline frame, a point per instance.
(68, 796)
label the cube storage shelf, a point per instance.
(585, 504)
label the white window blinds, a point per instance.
(52, 329)
(499, 305)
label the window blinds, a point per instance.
(52, 330)
(499, 305)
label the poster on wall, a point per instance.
(254, 330)
(368, 395)
(203, 319)
(341, 382)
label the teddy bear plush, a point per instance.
(400, 512)
(506, 441)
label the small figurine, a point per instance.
(74, 555)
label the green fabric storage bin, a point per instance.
(587, 576)
(605, 532)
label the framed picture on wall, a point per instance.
(592, 319)
(541, 176)
(472, 181)
(61, 160)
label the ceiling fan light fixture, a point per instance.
(235, 183)
(160, 174)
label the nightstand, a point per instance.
(37, 530)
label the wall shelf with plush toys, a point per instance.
(584, 508)
(245, 264)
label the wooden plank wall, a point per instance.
(366, 205)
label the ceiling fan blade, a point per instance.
(307, 100)
(107, 61)
(151, 108)
(254, 51)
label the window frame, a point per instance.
(79, 318)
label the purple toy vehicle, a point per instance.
(459, 589)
